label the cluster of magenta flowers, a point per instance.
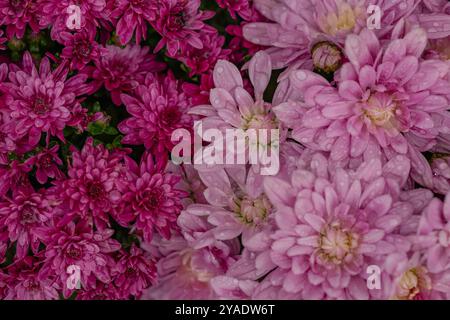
(87, 116)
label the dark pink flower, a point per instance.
(46, 163)
(80, 48)
(77, 245)
(199, 94)
(180, 23)
(121, 70)
(24, 282)
(136, 271)
(16, 15)
(95, 183)
(21, 215)
(55, 13)
(39, 101)
(236, 7)
(133, 16)
(14, 178)
(157, 109)
(154, 199)
(203, 60)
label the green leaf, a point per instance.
(111, 131)
(95, 128)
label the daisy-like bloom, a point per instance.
(22, 215)
(39, 101)
(433, 240)
(237, 206)
(121, 70)
(136, 271)
(24, 282)
(80, 48)
(47, 164)
(413, 280)
(332, 224)
(133, 16)
(153, 198)
(16, 15)
(233, 107)
(95, 183)
(390, 102)
(180, 23)
(185, 272)
(55, 13)
(298, 26)
(157, 108)
(77, 245)
(200, 61)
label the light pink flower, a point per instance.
(185, 272)
(333, 223)
(297, 26)
(390, 103)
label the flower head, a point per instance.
(157, 109)
(121, 70)
(16, 15)
(39, 101)
(333, 223)
(180, 23)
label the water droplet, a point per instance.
(301, 75)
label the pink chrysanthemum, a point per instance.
(47, 164)
(22, 215)
(333, 223)
(180, 23)
(158, 108)
(16, 15)
(39, 101)
(185, 272)
(433, 239)
(200, 61)
(14, 178)
(121, 70)
(80, 48)
(55, 13)
(77, 245)
(199, 94)
(298, 26)
(236, 7)
(231, 105)
(391, 102)
(237, 207)
(24, 282)
(95, 184)
(153, 198)
(136, 271)
(133, 16)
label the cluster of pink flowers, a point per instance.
(94, 206)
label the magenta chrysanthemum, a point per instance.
(121, 70)
(17, 14)
(39, 101)
(158, 108)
